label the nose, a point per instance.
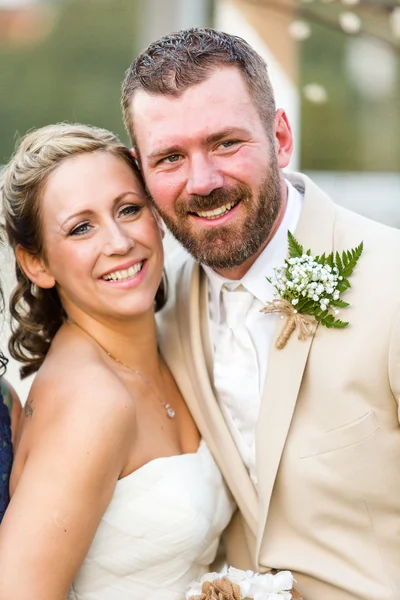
(203, 176)
(117, 240)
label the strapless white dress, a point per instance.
(159, 533)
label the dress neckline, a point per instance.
(160, 459)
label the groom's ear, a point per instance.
(136, 157)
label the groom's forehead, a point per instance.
(200, 111)
(156, 121)
(222, 87)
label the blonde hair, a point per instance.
(38, 313)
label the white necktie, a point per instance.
(236, 372)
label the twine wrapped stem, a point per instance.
(219, 589)
(305, 324)
(223, 589)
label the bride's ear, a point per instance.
(34, 268)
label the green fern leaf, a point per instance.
(321, 316)
(343, 285)
(338, 262)
(353, 257)
(339, 303)
(304, 305)
(295, 249)
(330, 260)
(347, 272)
(338, 324)
(328, 321)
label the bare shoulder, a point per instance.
(75, 442)
(77, 391)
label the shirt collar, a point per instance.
(272, 256)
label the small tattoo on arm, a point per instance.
(28, 409)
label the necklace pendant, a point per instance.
(170, 411)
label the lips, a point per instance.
(124, 274)
(216, 212)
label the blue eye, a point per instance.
(172, 159)
(228, 143)
(80, 229)
(129, 210)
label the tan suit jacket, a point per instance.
(328, 438)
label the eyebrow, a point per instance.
(224, 133)
(165, 152)
(90, 212)
(210, 139)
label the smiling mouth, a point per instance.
(124, 274)
(216, 212)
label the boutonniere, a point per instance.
(308, 289)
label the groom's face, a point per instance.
(211, 167)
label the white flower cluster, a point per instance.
(303, 277)
(252, 585)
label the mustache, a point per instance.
(214, 199)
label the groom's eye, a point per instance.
(228, 143)
(171, 159)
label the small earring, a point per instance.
(34, 290)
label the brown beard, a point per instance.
(231, 245)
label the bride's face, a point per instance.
(102, 244)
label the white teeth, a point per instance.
(125, 274)
(216, 212)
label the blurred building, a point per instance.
(267, 32)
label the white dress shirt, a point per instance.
(260, 326)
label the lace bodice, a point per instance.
(160, 531)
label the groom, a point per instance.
(306, 436)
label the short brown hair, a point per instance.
(180, 60)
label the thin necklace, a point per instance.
(168, 408)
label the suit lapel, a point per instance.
(191, 307)
(286, 366)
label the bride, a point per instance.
(114, 496)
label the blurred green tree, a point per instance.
(348, 81)
(72, 73)
(357, 128)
